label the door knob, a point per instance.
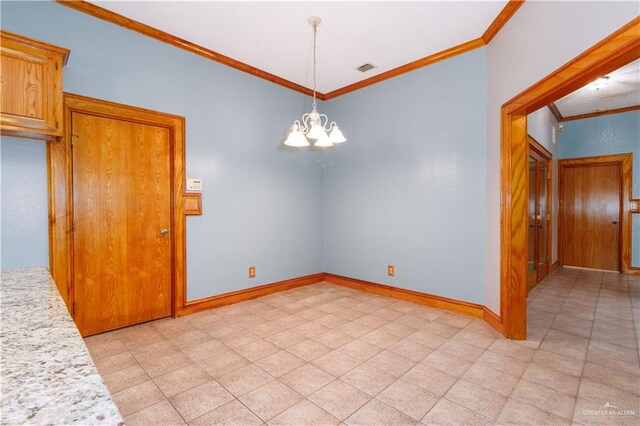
(164, 232)
(615, 222)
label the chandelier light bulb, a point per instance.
(316, 132)
(336, 135)
(296, 138)
(314, 126)
(323, 142)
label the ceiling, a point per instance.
(275, 36)
(622, 90)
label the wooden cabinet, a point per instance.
(31, 87)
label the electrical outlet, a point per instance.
(391, 270)
(252, 271)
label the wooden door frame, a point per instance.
(627, 203)
(616, 50)
(537, 147)
(60, 188)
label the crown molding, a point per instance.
(503, 17)
(555, 111)
(599, 113)
(411, 66)
(106, 15)
(149, 31)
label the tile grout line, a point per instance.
(611, 293)
(541, 340)
(274, 378)
(575, 404)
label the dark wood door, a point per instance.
(590, 215)
(539, 218)
(532, 254)
(122, 222)
(543, 216)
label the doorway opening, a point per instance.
(620, 48)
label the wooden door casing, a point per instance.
(121, 202)
(590, 215)
(609, 54)
(60, 181)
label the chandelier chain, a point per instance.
(313, 126)
(315, 33)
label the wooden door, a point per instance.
(539, 213)
(121, 222)
(543, 215)
(590, 215)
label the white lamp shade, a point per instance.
(316, 132)
(323, 142)
(336, 135)
(297, 139)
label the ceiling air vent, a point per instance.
(365, 67)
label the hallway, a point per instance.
(585, 326)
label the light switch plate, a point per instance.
(194, 184)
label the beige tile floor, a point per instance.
(324, 354)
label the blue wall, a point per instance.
(603, 135)
(409, 186)
(24, 203)
(262, 204)
(607, 134)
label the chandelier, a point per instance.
(313, 125)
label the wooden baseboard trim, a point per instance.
(555, 265)
(246, 294)
(467, 308)
(492, 319)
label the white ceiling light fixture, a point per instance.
(314, 127)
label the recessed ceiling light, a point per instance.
(599, 83)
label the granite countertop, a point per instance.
(47, 374)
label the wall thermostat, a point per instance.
(194, 184)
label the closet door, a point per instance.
(122, 222)
(591, 198)
(544, 216)
(539, 214)
(532, 263)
